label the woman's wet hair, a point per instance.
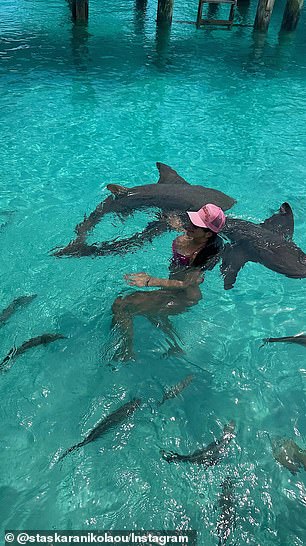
(207, 230)
(213, 235)
(210, 250)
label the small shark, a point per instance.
(171, 193)
(300, 339)
(289, 454)
(210, 455)
(176, 389)
(14, 306)
(44, 339)
(227, 520)
(106, 424)
(269, 243)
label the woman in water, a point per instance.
(197, 250)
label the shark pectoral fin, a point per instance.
(168, 175)
(281, 222)
(233, 259)
(117, 190)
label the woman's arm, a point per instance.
(192, 278)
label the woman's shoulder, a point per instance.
(179, 242)
(181, 238)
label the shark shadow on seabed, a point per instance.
(16, 304)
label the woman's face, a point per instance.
(197, 233)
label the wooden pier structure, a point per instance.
(79, 11)
(215, 22)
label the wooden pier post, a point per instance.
(256, 50)
(141, 5)
(165, 12)
(140, 9)
(79, 10)
(162, 39)
(263, 15)
(292, 14)
(243, 8)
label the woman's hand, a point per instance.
(143, 280)
(138, 279)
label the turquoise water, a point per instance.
(83, 108)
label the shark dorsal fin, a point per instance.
(168, 175)
(281, 222)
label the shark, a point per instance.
(175, 390)
(13, 353)
(209, 455)
(286, 452)
(299, 339)
(110, 421)
(14, 306)
(268, 243)
(227, 504)
(172, 193)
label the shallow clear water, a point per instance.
(81, 108)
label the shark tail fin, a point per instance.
(281, 222)
(12, 352)
(69, 451)
(117, 190)
(168, 175)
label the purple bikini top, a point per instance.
(178, 258)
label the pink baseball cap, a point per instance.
(210, 217)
